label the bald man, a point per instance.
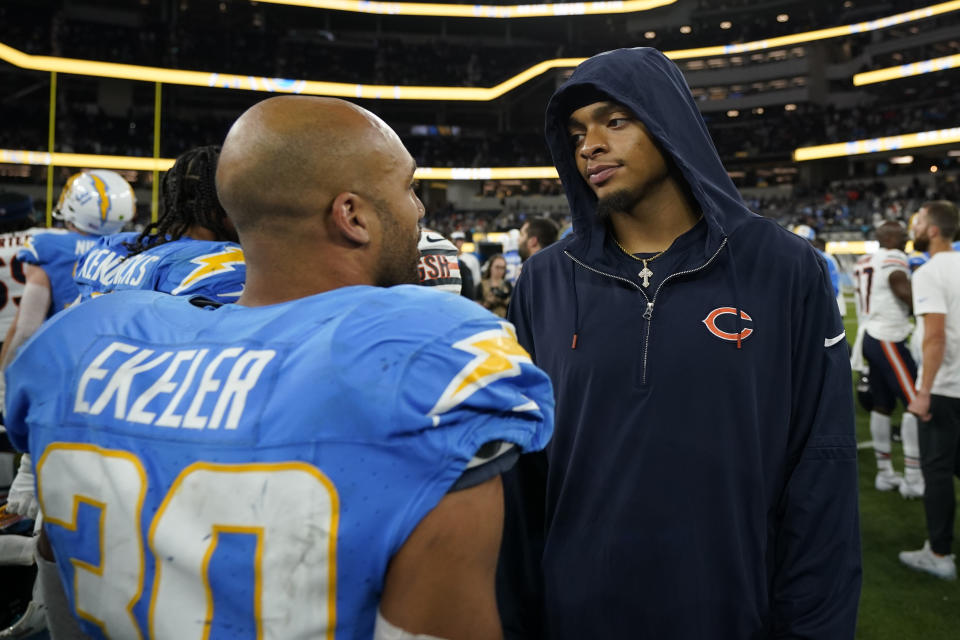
(321, 459)
(884, 307)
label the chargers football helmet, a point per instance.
(98, 202)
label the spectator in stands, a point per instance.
(936, 300)
(702, 478)
(494, 291)
(536, 234)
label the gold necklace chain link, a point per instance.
(643, 260)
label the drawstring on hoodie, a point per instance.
(732, 274)
(576, 307)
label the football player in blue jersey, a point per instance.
(92, 203)
(321, 459)
(190, 250)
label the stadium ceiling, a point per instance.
(479, 10)
(399, 92)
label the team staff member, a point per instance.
(701, 482)
(936, 301)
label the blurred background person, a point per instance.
(494, 290)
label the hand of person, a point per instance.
(920, 406)
(22, 500)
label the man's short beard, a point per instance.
(399, 257)
(921, 244)
(621, 201)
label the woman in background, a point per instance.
(493, 291)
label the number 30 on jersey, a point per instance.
(292, 565)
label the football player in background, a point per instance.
(91, 204)
(884, 303)
(16, 228)
(321, 459)
(191, 250)
(439, 266)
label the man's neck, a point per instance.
(282, 275)
(939, 246)
(198, 232)
(656, 221)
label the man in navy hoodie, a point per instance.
(701, 482)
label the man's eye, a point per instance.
(617, 122)
(576, 139)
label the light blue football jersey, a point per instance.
(56, 252)
(253, 470)
(514, 262)
(188, 267)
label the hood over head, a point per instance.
(653, 88)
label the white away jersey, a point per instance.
(11, 275)
(883, 314)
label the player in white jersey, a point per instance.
(16, 222)
(883, 305)
(16, 228)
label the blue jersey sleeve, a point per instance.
(218, 273)
(460, 379)
(56, 253)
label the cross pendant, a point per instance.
(646, 274)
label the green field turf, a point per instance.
(897, 603)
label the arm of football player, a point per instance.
(61, 623)
(441, 581)
(900, 285)
(32, 312)
(934, 346)
(817, 562)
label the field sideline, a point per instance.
(897, 603)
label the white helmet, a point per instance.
(805, 231)
(97, 202)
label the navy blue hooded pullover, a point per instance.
(699, 486)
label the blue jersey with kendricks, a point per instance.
(56, 252)
(251, 471)
(215, 270)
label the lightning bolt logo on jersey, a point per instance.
(56, 252)
(260, 486)
(182, 267)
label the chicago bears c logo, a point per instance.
(711, 322)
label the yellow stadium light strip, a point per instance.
(907, 70)
(88, 161)
(819, 34)
(275, 85)
(493, 173)
(397, 92)
(876, 145)
(479, 10)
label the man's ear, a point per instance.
(352, 217)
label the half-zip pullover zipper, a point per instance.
(648, 312)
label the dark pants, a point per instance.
(940, 461)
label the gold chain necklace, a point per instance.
(645, 273)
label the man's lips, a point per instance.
(599, 175)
